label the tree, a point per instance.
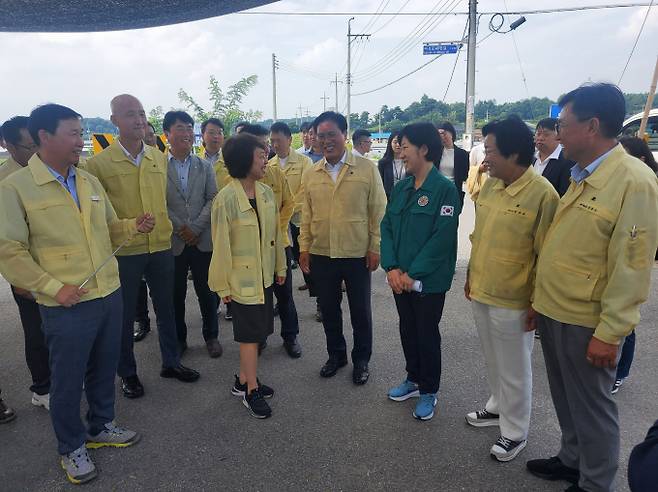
(224, 105)
(155, 118)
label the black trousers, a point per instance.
(36, 350)
(199, 263)
(308, 279)
(420, 315)
(286, 303)
(328, 275)
(142, 311)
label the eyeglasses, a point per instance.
(30, 148)
(325, 136)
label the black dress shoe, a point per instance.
(132, 387)
(293, 348)
(143, 329)
(331, 367)
(553, 469)
(575, 488)
(360, 374)
(180, 372)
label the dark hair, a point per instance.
(424, 134)
(389, 154)
(636, 147)
(512, 137)
(11, 129)
(448, 127)
(547, 124)
(256, 130)
(238, 154)
(212, 121)
(359, 134)
(602, 101)
(151, 125)
(240, 124)
(172, 117)
(305, 127)
(337, 118)
(47, 117)
(281, 127)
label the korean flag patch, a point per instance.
(447, 211)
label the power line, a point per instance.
(419, 14)
(646, 16)
(518, 58)
(408, 44)
(454, 66)
(382, 6)
(391, 19)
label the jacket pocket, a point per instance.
(576, 283)
(354, 237)
(244, 276)
(512, 280)
(637, 256)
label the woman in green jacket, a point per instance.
(418, 252)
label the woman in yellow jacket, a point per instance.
(247, 252)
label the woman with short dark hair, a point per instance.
(247, 251)
(419, 251)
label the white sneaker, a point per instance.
(41, 401)
(506, 450)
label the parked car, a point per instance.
(632, 125)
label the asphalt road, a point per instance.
(324, 434)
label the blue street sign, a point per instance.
(440, 48)
(554, 112)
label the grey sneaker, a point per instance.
(113, 436)
(482, 418)
(41, 400)
(78, 466)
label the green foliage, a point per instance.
(224, 105)
(155, 117)
(98, 125)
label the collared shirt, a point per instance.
(212, 158)
(68, 183)
(579, 174)
(135, 160)
(540, 166)
(183, 170)
(447, 166)
(315, 157)
(334, 169)
(283, 161)
(357, 153)
(399, 172)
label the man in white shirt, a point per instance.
(361, 143)
(307, 144)
(549, 161)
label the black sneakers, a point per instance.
(553, 469)
(240, 389)
(506, 449)
(256, 404)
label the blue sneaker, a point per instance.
(404, 391)
(425, 406)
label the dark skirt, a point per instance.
(253, 323)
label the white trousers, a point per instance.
(507, 350)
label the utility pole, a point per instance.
(324, 101)
(380, 123)
(275, 65)
(647, 106)
(470, 75)
(349, 68)
(301, 113)
(336, 82)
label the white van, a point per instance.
(632, 125)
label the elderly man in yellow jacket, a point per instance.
(593, 274)
(57, 235)
(344, 203)
(285, 200)
(134, 176)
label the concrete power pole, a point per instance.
(336, 82)
(470, 75)
(274, 67)
(348, 80)
(324, 101)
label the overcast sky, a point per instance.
(557, 52)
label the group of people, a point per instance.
(575, 269)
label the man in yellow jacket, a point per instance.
(57, 236)
(134, 176)
(344, 203)
(285, 201)
(593, 274)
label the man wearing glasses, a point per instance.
(343, 203)
(21, 147)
